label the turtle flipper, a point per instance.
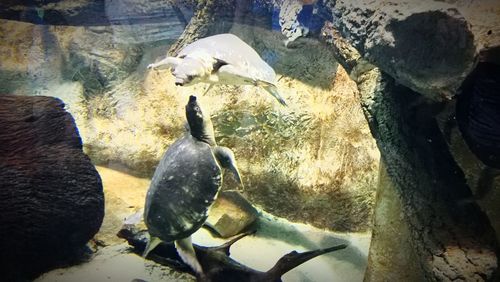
(168, 62)
(186, 251)
(210, 85)
(226, 159)
(153, 242)
(273, 90)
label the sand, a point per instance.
(274, 238)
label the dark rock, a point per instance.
(478, 113)
(428, 46)
(51, 197)
(431, 187)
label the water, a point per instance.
(312, 168)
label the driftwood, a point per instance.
(215, 261)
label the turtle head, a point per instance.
(192, 69)
(200, 125)
(194, 115)
(226, 159)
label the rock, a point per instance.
(57, 12)
(38, 59)
(231, 214)
(430, 186)
(127, 115)
(51, 197)
(97, 56)
(389, 259)
(136, 21)
(140, 21)
(134, 123)
(428, 46)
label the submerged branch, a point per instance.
(217, 264)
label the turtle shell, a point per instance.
(478, 113)
(184, 186)
(234, 51)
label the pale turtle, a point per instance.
(185, 185)
(221, 59)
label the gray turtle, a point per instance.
(221, 59)
(185, 185)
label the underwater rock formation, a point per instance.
(428, 46)
(450, 237)
(51, 197)
(49, 60)
(285, 155)
(135, 21)
(210, 17)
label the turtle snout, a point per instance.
(180, 81)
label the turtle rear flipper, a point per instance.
(186, 251)
(153, 242)
(273, 90)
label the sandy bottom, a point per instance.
(274, 238)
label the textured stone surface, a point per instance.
(428, 46)
(50, 60)
(128, 115)
(132, 21)
(284, 154)
(51, 197)
(452, 238)
(391, 256)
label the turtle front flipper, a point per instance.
(186, 251)
(168, 62)
(229, 73)
(225, 157)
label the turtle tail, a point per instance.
(274, 91)
(186, 252)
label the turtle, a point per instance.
(185, 185)
(221, 59)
